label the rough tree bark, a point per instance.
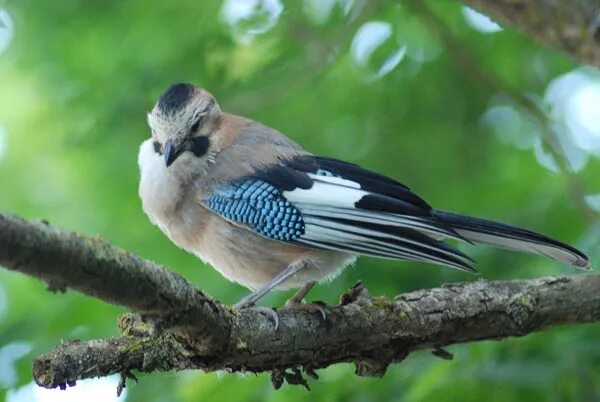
(176, 326)
(572, 26)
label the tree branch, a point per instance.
(371, 332)
(92, 266)
(572, 26)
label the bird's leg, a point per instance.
(301, 293)
(295, 302)
(252, 298)
(255, 296)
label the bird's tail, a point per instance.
(512, 238)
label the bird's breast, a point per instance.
(172, 202)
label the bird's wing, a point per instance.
(329, 204)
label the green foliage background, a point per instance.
(80, 76)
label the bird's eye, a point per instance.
(196, 125)
(157, 147)
(199, 145)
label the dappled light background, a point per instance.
(475, 118)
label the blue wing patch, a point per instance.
(259, 205)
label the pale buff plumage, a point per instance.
(171, 198)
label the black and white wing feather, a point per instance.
(328, 204)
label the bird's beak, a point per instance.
(172, 151)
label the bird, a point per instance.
(268, 215)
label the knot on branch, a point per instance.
(522, 309)
(131, 324)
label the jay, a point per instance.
(269, 215)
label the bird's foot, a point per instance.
(268, 312)
(295, 302)
(314, 307)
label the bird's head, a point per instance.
(182, 122)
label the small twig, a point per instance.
(123, 381)
(442, 354)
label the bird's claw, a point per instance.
(314, 307)
(290, 305)
(268, 312)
